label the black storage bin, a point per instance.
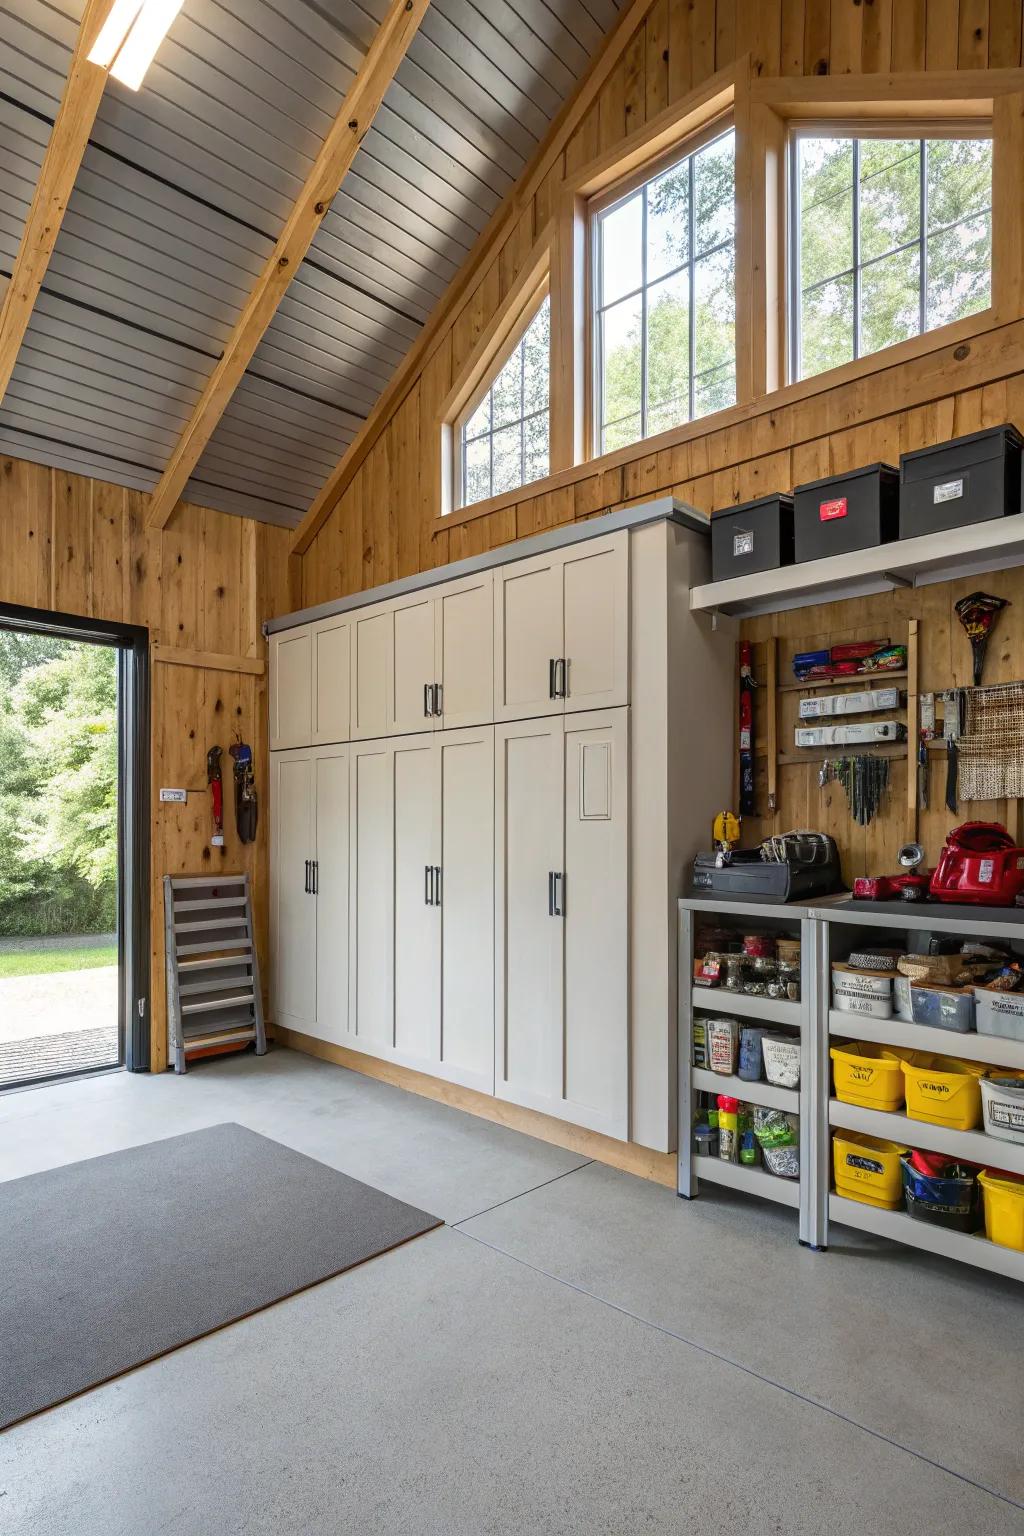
(758, 536)
(969, 480)
(853, 511)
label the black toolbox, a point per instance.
(758, 536)
(749, 876)
(969, 480)
(853, 511)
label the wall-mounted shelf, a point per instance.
(862, 680)
(968, 551)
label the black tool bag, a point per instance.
(792, 867)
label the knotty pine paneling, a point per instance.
(205, 583)
(386, 523)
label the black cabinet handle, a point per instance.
(437, 885)
(558, 893)
(551, 679)
(563, 678)
(306, 886)
(316, 877)
(438, 699)
(427, 883)
(551, 893)
(427, 695)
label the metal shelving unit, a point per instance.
(842, 922)
(829, 929)
(807, 1195)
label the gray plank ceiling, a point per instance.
(185, 187)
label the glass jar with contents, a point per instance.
(761, 974)
(736, 971)
(789, 982)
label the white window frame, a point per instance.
(858, 129)
(606, 202)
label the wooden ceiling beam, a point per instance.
(501, 222)
(321, 188)
(69, 137)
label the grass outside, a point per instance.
(40, 962)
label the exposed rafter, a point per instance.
(332, 164)
(501, 222)
(83, 92)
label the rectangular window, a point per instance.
(891, 237)
(664, 329)
(503, 444)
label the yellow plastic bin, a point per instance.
(869, 1075)
(943, 1090)
(867, 1169)
(1004, 1208)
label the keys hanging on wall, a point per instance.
(865, 780)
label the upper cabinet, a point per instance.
(543, 636)
(291, 688)
(332, 646)
(561, 631)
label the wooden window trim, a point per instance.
(492, 350)
(762, 111)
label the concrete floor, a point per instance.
(577, 1351)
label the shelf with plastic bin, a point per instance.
(963, 1146)
(749, 1181)
(764, 1094)
(766, 1010)
(994, 1050)
(968, 1249)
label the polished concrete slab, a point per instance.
(914, 1348)
(444, 1389)
(590, 1356)
(450, 1163)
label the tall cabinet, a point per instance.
(475, 877)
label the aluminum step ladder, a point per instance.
(213, 971)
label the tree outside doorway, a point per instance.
(58, 855)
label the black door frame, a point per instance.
(133, 810)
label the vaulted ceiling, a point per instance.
(186, 186)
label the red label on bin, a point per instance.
(827, 510)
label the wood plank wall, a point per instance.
(204, 584)
(386, 525)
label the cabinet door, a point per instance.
(292, 905)
(371, 900)
(528, 964)
(527, 637)
(467, 907)
(291, 689)
(415, 772)
(331, 882)
(413, 666)
(332, 666)
(595, 1046)
(464, 629)
(595, 578)
(371, 636)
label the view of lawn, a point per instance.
(40, 962)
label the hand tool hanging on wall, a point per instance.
(865, 780)
(213, 779)
(246, 806)
(746, 730)
(925, 734)
(978, 613)
(953, 709)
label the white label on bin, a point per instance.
(950, 490)
(986, 870)
(743, 542)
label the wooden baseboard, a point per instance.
(626, 1155)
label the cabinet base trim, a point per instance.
(627, 1156)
